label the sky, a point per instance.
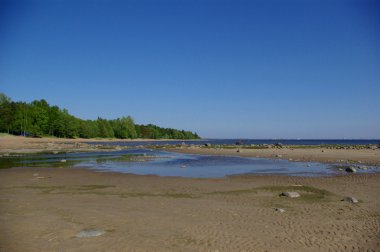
(225, 69)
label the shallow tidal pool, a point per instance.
(162, 163)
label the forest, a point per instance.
(39, 119)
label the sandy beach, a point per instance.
(45, 209)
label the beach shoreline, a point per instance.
(44, 209)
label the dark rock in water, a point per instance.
(350, 169)
(90, 233)
(351, 200)
(207, 144)
(291, 194)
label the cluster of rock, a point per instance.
(353, 147)
(294, 194)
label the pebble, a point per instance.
(290, 194)
(351, 200)
(279, 210)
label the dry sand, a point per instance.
(149, 213)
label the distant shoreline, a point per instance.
(18, 144)
(318, 154)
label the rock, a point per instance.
(238, 150)
(279, 145)
(290, 194)
(279, 210)
(55, 152)
(183, 166)
(90, 233)
(323, 150)
(35, 174)
(207, 144)
(63, 160)
(350, 169)
(278, 155)
(351, 200)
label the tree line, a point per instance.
(39, 119)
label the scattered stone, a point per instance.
(278, 155)
(63, 160)
(207, 144)
(36, 174)
(350, 169)
(351, 200)
(290, 194)
(90, 233)
(290, 159)
(323, 150)
(279, 210)
(238, 150)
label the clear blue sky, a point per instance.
(225, 69)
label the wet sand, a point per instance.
(42, 209)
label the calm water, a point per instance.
(248, 142)
(174, 164)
